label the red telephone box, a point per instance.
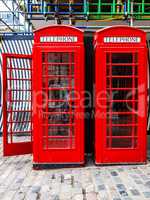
(58, 84)
(54, 114)
(121, 95)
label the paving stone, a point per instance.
(103, 196)
(144, 177)
(101, 187)
(19, 181)
(127, 198)
(35, 189)
(121, 187)
(45, 196)
(138, 181)
(76, 191)
(147, 184)
(8, 195)
(117, 179)
(135, 192)
(54, 197)
(147, 194)
(114, 173)
(116, 199)
(78, 197)
(19, 196)
(120, 169)
(123, 193)
(138, 171)
(134, 176)
(98, 179)
(90, 188)
(67, 176)
(31, 196)
(91, 196)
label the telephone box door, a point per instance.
(17, 108)
(121, 132)
(58, 107)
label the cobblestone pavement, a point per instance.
(18, 181)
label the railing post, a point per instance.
(114, 7)
(88, 8)
(143, 7)
(131, 14)
(99, 6)
(128, 8)
(85, 7)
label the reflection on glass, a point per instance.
(122, 99)
(58, 87)
(19, 125)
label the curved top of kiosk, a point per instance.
(120, 35)
(58, 34)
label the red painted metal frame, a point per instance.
(104, 153)
(13, 148)
(58, 155)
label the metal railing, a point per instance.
(94, 9)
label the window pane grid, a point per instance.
(58, 100)
(122, 100)
(19, 100)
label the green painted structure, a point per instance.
(93, 9)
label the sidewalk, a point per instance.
(18, 181)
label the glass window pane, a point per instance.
(19, 108)
(122, 99)
(122, 57)
(58, 99)
(121, 142)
